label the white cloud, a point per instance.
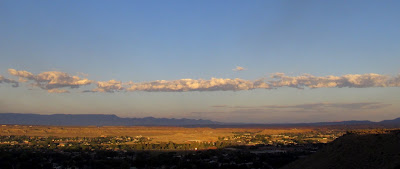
(109, 86)
(51, 80)
(56, 80)
(182, 85)
(349, 80)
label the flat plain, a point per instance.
(157, 134)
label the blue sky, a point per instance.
(144, 41)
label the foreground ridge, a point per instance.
(357, 149)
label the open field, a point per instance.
(157, 134)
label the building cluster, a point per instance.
(145, 143)
(237, 157)
(242, 150)
(248, 138)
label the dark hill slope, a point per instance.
(379, 149)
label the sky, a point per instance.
(228, 61)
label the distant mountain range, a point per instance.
(113, 120)
(94, 120)
(386, 123)
(351, 124)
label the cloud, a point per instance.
(349, 80)
(238, 68)
(355, 106)
(51, 80)
(219, 106)
(82, 74)
(277, 80)
(311, 112)
(22, 74)
(109, 86)
(183, 85)
(56, 80)
(57, 91)
(5, 80)
(364, 105)
(22, 80)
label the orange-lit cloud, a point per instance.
(182, 85)
(108, 86)
(56, 80)
(57, 90)
(238, 68)
(349, 80)
(51, 80)
(356, 106)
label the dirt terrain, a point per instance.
(157, 134)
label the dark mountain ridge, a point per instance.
(113, 120)
(368, 149)
(95, 120)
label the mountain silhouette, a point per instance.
(95, 120)
(113, 120)
(358, 150)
